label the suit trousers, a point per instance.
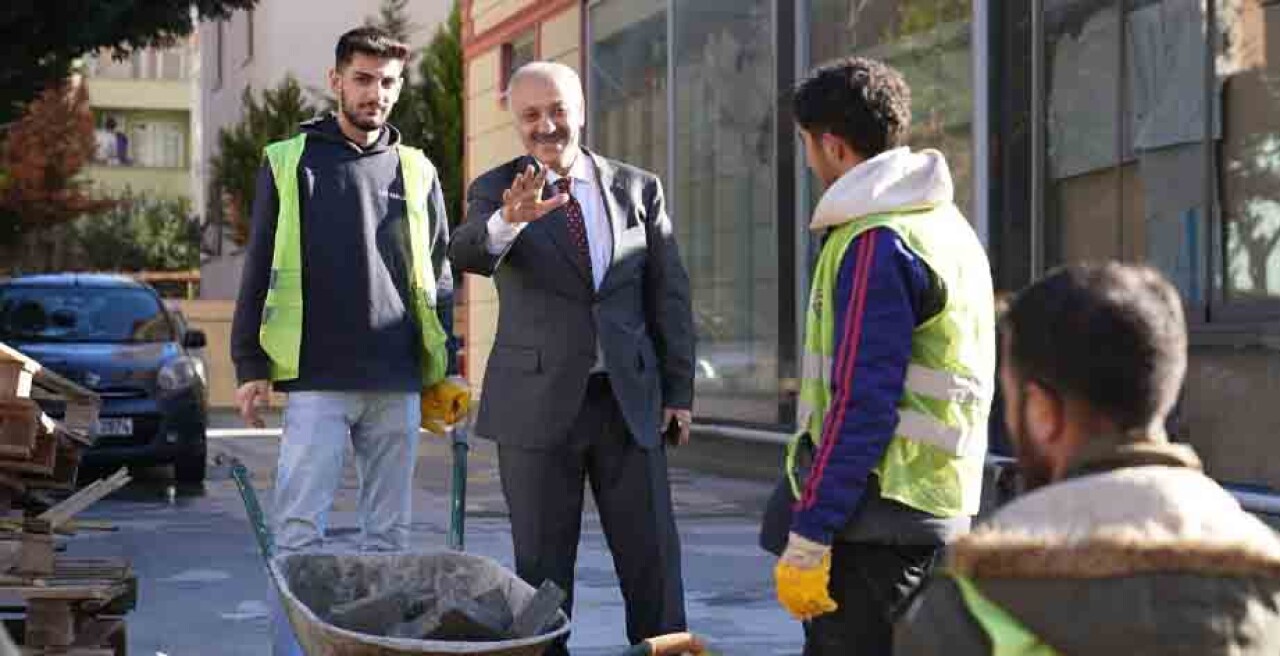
(544, 494)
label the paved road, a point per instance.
(202, 589)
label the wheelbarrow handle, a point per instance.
(458, 490)
(257, 519)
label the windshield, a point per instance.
(81, 314)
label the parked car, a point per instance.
(116, 337)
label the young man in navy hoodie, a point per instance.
(344, 302)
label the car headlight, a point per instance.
(178, 374)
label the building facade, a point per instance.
(1076, 130)
(144, 121)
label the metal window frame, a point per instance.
(1038, 142)
(980, 52)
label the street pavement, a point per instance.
(202, 589)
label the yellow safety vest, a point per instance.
(281, 331)
(934, 461)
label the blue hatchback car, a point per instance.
(115, 336)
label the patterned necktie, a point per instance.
(575, 223)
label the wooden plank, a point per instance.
(13, 452)
(44, 377)
(62, 512)
(93, 561)
(91, 591)
(81, 416)
(74, 651)
(15, 379)
(44, 455)
(25, 468)
(19, 424)
(50, 623)
(35, 558)
(66, 464)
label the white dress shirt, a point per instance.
(587, 192)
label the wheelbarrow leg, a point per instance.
(458, 489)
(283, 641)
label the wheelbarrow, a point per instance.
(311, 586)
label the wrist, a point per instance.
(804, 553)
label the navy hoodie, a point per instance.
(358, 332)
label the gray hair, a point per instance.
(556, 73)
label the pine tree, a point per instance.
(235, 166)
(440, 86)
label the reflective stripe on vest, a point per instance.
(283, 310)
(923, 381)
(1008, 636)
(934, 461)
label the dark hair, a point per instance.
(863, 101)
(369, 40)
(1111, 335)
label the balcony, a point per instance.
(111, 93)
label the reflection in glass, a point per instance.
(1126, 164)
(725, 174)
(930, 43)
(1249, 64)
(628, 83)
(1082, 48)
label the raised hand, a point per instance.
(523, 202)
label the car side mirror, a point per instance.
(194, 339)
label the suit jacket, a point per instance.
(551, 316)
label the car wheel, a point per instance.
(190, 467)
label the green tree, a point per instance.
(439, 130)
(140, 233)
(41, 158)
(235, 165)
(393, 16)
(41, 39)
(429, 111)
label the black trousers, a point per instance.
(544, 493)
(872, 584)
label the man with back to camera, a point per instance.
(593, 356)
(344, 305)
(1121, 545)
(898, 367)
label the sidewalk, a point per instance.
(728, 579)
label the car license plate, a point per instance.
(114, 426)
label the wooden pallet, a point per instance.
(36, 450)
(69, 607)
(78, 609)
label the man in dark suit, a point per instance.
(593, 359)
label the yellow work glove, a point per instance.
(445, 404)
(802, 576)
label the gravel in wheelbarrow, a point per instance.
(421, 604)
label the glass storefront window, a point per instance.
(1084, 186)
(721, 193)
(929, 43)
(627, 84)
(725, 181)
(1249, 66)
(1125, 131)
